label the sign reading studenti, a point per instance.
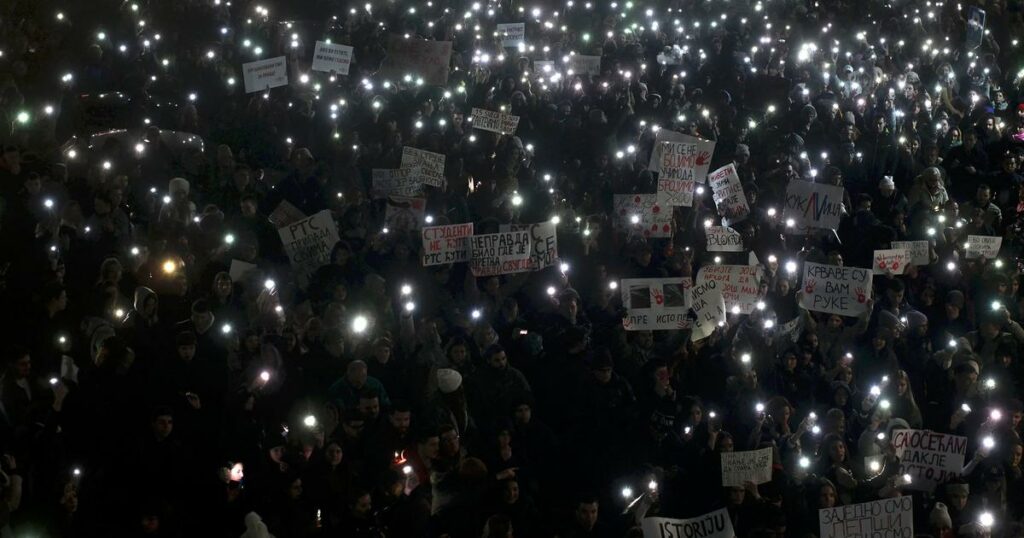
(919, 251)
(332, 57)
(836, 290)
(309, 242)
(500, 253)
(930, 458)
(886, 518)
(894, 261)
(266, 74)
(727, 192)
(446, 244)
(655, 304)
(723, 239)
(711, 525)
(983, 246)
(495, 122)
(738, 468)
(813, 205)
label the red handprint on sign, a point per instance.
(702, 158)
(895, 266)
(881, 264)
(809, 286)
(659, 298)
(860, 295)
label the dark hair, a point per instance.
(161, 411)
(369, 393)
(400, 406)
(17, 352)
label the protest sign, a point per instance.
(738, 468)
(426, 166)
(888, 518)
(727, 192)
(581, 64)
(835, 290)
(543, 67)
(709, 307)
(446, 244)
(417, 57)
(930, 458)
(983, 246)
(791, 331)
(512, 34)
(500, 253)
(543, 242)
(655, 304)
(394, 181)
(919, 251)
(309, 242)
(740, 285)
(675, 192)
(404, 213)
(705, 150)
(285, 213)
(495, 122)
(891, 261)
(813, 205)
(975, 31)
(711, 525)
(332, 57)
(263, 75)
(723, 239)
(239, 269)
(676, 181)
(652, 219)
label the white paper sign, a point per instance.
(404, 213)
(655, 304)
(711, 525)
(740, 285)
(889, 518)
(709, 307)
(723, 239)
(891, 261)
(512, 34)
(836, 290)
(263, 75)
(983, 246)
(446, 244)
(543, 242)
(308, 243)
(705, 150)
(581, 64)
(543, 67)
(813, 205)
(675, 192)
(738, 468)
(496, 122)
(332, 57)
(728, 194)
(426, 166)
(919, 251)
(652, 219)
(394, 181)
(500, 253)
(930, 458)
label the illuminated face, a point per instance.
(826, 497)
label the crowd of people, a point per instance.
(169, 370)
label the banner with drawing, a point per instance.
(835, 290)
(651, 219)
(655, 304)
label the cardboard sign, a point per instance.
(930, 458)
(709, 307)
(836, 290)
(332, 57)
(285, 213)
(653, 220)
(919, 251)
(739, 285)
(711, 525)
(655, 304)
(417, 57)
(263, 75)
(309, 242)
(727, 192)
(983, 246)
(892, 261)
(813, 205)
(543, 242)
(700, 172)
(581, 64)
(723, 239)
(394, 181)
(738, 468)
(891, 518)
(495, 122)
(404, 213)
(426, 166)
(500, 253)
(512, 33)
(446, 244)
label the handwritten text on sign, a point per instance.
(424, 165)
(813, 205)
(712, 525)
(704, 147)
(543, 242)
(887, 518)
(738, 284)
(512, 33)
(983, 246)
(723, 239)
(893, 261)
(930, 458)
(500, 253)
(495, 122)
(446, 244)
(309, 242)
(709, 307)
(265, 74)
(332, 57)
(738, 468)
(655, 304)
(727, 192)
(836, 290)
(919, 251)
(585, 65)
(397, 181)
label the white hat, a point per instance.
(448, 380)
(886, 182)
